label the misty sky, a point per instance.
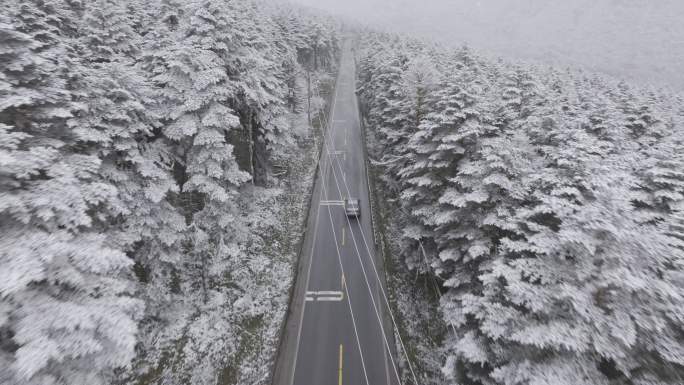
(641, 40)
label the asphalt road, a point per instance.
(333, 334)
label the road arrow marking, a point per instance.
(329, 299)
(328, 295)
(331, 203)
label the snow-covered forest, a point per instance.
(548, 205)
(157, 160)
(155, 157)
(635, 40)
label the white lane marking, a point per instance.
(322, 166)
(351, 310)
(370, 291)
(339, 256)
(331, 203)
(339, 152)
(328, 292)
(330, 299)
(325, 295)
(375, 307)
(357, 118)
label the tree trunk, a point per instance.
(259, 154)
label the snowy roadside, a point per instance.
(233, 337)
(413, 296)
(280, 211)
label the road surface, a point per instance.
(333, 334)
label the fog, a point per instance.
(639, 40)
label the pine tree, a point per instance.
(54, 261)
(551, 201)
(110, 32)
(121, 151)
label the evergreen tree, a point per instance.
(551, 201)
(122, 185)
(54, 259)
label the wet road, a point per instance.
(333, 334)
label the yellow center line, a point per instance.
(339, 372)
